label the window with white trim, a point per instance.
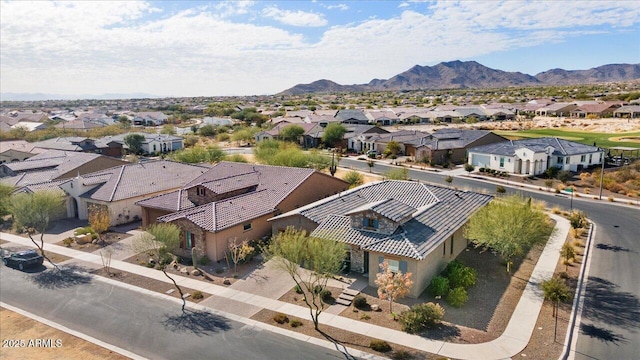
(394, 265)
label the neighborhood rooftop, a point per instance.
(560, 146)
(434, 213)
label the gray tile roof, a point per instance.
(272, 185)
(52, 159)
(389, 208)
(561, 147)
(440, 212)
(132, 180)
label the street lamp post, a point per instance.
(601, 175)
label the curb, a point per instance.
(578, 298)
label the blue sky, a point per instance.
(200, 48)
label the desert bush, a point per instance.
(280, 318)
(365, 317)
(298, 289)
(578, 219)
(439, 286)
(457, 297)
(197, 295)
(360, 302)
(460, 275)
(204, 261)
(420, 317)
(380, 346)
(296, 323)
(565, 176)
(68, 241)
(556, 210)
(500, 189)
(325, 295)
(354, 178)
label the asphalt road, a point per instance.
(150, 327)
(610, 324)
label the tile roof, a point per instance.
(272, 185)
(64, 161)
(132, 180)
(561, 147)
(439, 212)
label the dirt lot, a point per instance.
(17, 327)
(108, 238)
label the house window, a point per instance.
(560, 160)
(567, 159)
(246, 227)
(200, 191)
(154, 147)
(583, 158)
(451, 246)
(444, 249)
(370, 223)
(190, 239)
(501, 162)
(394, 266)
(590, 158)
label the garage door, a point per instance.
(480, 160)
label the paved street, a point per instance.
(143, 324)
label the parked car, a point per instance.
(22, 259)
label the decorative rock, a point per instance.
(375, 307)
(186, 295)
(152, 262)
(170, 291)
(184, 270)
(226, 281)
(196, 272)
(95, 241)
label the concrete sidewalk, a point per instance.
(515, 337)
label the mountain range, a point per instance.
(473, 75)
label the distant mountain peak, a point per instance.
(471, 74)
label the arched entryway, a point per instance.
(74, 208)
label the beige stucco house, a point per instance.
(417, 228)
(233, 201)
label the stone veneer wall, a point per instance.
(385, 225)
(199, 237)
(209, 196)
(357, 259)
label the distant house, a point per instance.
(557, 109)
(415, 227)
(595, 110)
(535, 156)
(11, 155)
(382, 117)
(351, 116)
(448, 145)
(70, 143)
(232, 201)
(152, 144)
(358, 137)
(150, 118)
(627, 112)
(119, 188)
(53, 165)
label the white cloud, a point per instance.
(109, 47)
(342, 7)
(295, 18)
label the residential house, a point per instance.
(11, 155)
(150, 118)
(53, 165)
(119, 188)
(416, 228)
(358, 137)
(379, 142)
(595, 110)
(70, 143)
(382, 117)
(627, 112)
(557, 109)
(448, 145)
(352, 116)
(233, 201)
(535, 156)
(152, 144)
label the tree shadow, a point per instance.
(603, 303)
(64, 277)
(614, 248)
(340, 347)
(442, 332)
(602, 334)
(196, 322)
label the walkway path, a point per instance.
(513, 340)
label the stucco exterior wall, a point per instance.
(425, 270)
(317, 186)
(297, 221)
(217, 243)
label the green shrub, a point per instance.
(380, 346)
(457, 297)
(462, 276)
(298, 289)
(68, 241)
(326, 295)
(296, 323)
(500, 189)
(360, 302)
(365, 317)
(317, 289)
(219, 270)
(452, 265)
(204, 261)
(197, 295)
(420, 317)
(280, 318)
(439, 286)
(551, 172)
(565, 176)
(85, 230)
